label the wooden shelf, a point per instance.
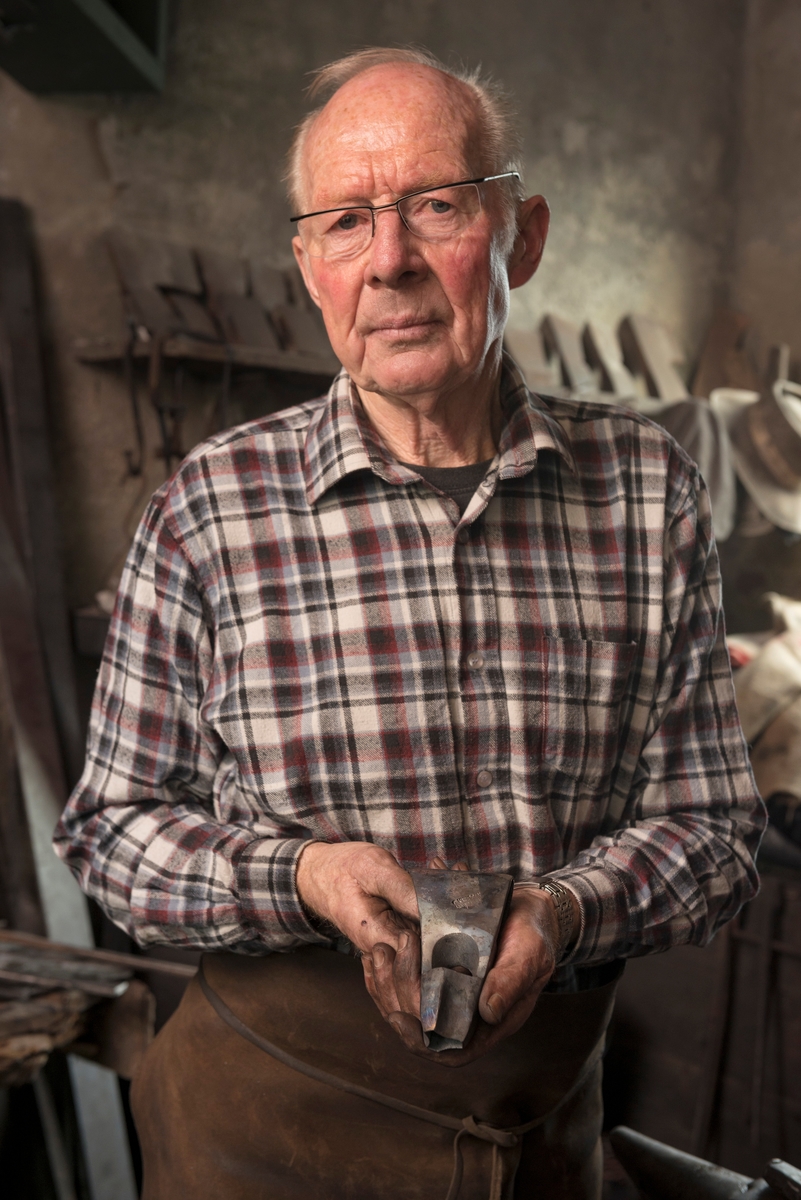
(181, 348)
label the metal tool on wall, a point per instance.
(461, 914)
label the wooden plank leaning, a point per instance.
(36, 652)
(24, 409)
(66, 914)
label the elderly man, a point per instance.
(428, 619)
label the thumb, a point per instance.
(510, 979)
(394, 885)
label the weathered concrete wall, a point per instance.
(629, 112)
(766, 266)
(767, 254)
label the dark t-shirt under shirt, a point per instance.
(459, 483)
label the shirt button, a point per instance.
(463, 535)
(484, 779)
(475, 661)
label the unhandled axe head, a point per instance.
(461, 914)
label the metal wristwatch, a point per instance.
(564, 908)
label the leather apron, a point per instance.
(241, 1094)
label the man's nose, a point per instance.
(394, 251)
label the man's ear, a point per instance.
(532, 230)
(302, 259)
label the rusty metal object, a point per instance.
(461, 914)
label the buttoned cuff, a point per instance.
(267, 894)
(605, 914)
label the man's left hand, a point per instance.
(525, 962)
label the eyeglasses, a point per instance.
(433, 214)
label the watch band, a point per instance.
(564, 908)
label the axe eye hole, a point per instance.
(458, 952)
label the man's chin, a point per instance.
(411, 372)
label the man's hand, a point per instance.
(525, 962)
(361, 889)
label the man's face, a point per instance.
(406, 317)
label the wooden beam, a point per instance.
(100, 351)
(115, 958)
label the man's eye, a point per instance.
(440, 207)
(347, 222)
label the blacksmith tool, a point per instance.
(461, 914)
(662, 1173)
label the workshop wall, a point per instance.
(630, 112)
(766, 268)
(767, 262)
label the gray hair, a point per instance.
(500, 137)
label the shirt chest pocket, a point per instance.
(583, 684)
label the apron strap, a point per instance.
(464, 1127)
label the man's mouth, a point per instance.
(401, 328)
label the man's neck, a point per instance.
(446, 431)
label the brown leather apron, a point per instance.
(241, 1095)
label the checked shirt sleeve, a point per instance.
(140, 831)
(680, 861)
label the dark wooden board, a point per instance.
(27, 430)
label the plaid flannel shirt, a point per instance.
(309, 642)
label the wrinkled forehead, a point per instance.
(396, 125)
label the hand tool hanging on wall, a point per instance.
(603, 352)
(649, 350)
(170, 416)
(163, 294)
(563, 339)
(240, 316)
(134, 459)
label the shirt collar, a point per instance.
(341, 440)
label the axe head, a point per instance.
(461, 914)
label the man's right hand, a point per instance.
(360, 889)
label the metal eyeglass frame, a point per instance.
(373, 209)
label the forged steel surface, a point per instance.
(461, 913)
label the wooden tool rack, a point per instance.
(200, 354)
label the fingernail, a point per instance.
(495, 1005)
(403, 941)
(378, 956)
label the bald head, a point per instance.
(471, 110)
(389, 110)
